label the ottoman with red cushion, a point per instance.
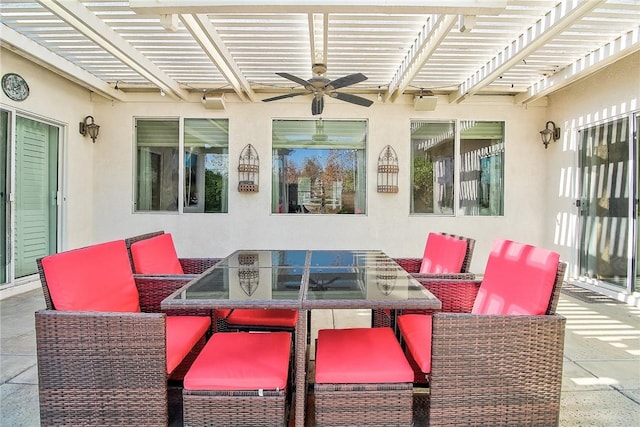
(239, 379)
(362, 379)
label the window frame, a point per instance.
(458, 210)
(181, 148)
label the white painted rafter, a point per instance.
(589, 64)
(562, 16)
(318, 48)
(85, 22)
(43, 56)
(465, 7)
(211, 43)
(432, 34)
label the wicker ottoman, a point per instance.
(239, 379)
(362, 379)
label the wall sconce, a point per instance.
(550, 133)
(89, 128)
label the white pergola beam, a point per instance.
(562, 16)
(589, 64)
(432, 34)
(211, 43)
(85, 22)
(318, 54)
(459, 7)
(23, 46)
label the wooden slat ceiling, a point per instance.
(524, 49)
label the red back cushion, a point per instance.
(96, 278)
(156, 255)
(443, 254)
(518, 279)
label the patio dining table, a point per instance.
(304, 280)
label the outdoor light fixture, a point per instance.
(550, 133)
(425, 101)
(89, 128)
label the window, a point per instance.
(481, 166)
(432, 153)
(204, 162)
(319, 166)
(206, 165)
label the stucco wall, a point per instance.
(539, 194)
(610, 93)
(58, 101)
(249, 223)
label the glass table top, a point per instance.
(299, 278)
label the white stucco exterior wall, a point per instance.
(58, 101)
(98, 178)
(250, 224)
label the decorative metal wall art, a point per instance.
(388, 170)
(248, 169)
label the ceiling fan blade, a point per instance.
(349, 80)
(295, 79)
(354, 99)
(317, 105)
(288, 95)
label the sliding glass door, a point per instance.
(36, 210)
(4, 196)
(28, 193)
(607, 203)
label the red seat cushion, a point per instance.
(360, 356)
(518, 279)
(443, 254)
(156, 255)
(416, 333)
(241, 361)
(182, 334)
(95, 278)
(222, 313)
(264, 317)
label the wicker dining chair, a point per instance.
(186, 265)
(495, 354)
(105, 351)
(446, 256)
(154, 253)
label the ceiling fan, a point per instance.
(318, 85)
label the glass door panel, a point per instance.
(36, 193)
(605, 225)
(4, 195)
(636, 267)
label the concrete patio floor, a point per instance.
(600, 387)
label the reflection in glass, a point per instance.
(206, 165)
(157, 165)
(386, 277)
(319, 166)
(482, 168)
(432, 171)
(249, 279)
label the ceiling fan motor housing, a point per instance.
(319, 69)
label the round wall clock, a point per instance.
(15, 87)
